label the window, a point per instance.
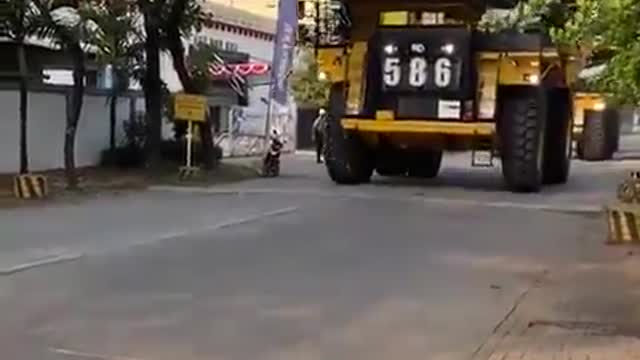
(231, 46)
(200, 39)
(217, 43)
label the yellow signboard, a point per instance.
(190, 107)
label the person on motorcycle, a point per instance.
(271, 161)
(316, 135)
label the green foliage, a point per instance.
(58, 22)
(201, 54)
(529, 15)
(115, 37)
(188, 15)
(606, 31)
(585, 28)
(600, 31)
(307, 87)
(14, 19)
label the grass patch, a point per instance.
(223, 174)
(98, 181)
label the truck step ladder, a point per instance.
(482, 156)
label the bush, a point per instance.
(125, 157)
(131, 154)
(175, 151)
(135, 132)
(172, 151)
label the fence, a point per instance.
(46, 120)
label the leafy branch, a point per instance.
(309, 88)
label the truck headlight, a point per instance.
(532, 79)
(599, 106)
(448, 48)
(390, 49)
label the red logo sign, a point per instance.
(244, 70)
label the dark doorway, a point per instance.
(306, 117)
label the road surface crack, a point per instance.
(508, 316)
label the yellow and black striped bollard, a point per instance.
(624, 224)
(29, 186)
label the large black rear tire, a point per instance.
(558, 134)
(346, 156)
(599, 136)
(613, 130)
(425, 164)
(522, 124)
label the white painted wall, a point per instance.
(9, 132)
(46, 125)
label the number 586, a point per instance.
(418, 72)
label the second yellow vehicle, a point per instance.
(596, 127)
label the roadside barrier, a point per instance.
(28, 186)
(624, 217)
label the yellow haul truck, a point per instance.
(413, 78)
(596, 127)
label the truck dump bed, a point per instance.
(365, 13)
(435, 4)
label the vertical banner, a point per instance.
(284, 48)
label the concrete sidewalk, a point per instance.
(585, 311)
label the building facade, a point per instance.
(240, 37)
(242, 126)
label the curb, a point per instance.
(578, 209)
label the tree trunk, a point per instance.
(153, 89)
(22, 64)
(177, 51)
(113, 106)
(73, 114)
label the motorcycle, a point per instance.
(271, 161)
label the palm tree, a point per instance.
(60, 21)
(15, 17)
(118, 42)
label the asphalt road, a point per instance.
(295, 268)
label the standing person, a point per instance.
(316, 134)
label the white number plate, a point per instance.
(418, 72)
(449, 109)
